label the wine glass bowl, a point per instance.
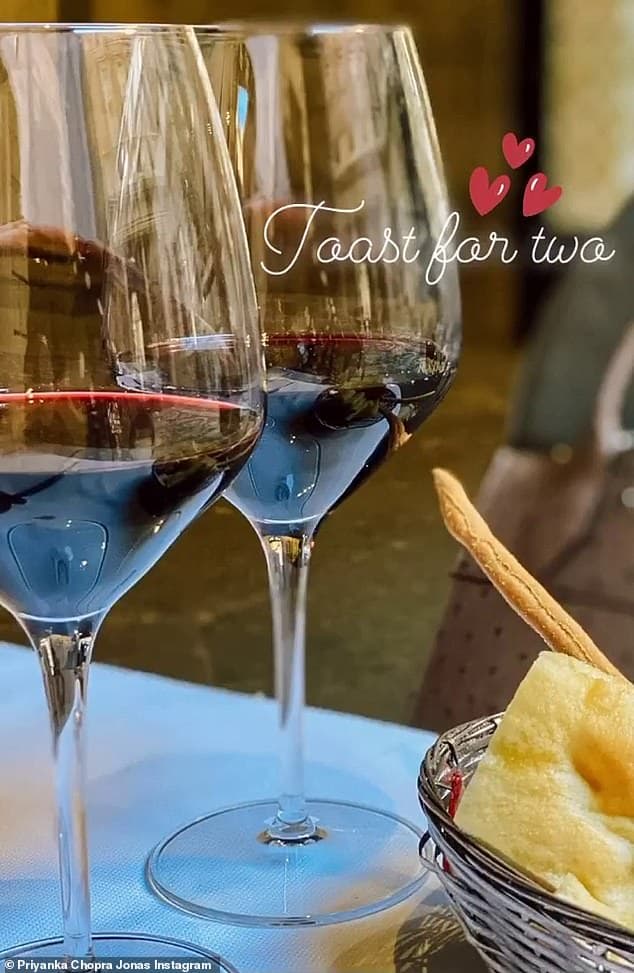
(132, 457)
(131, 384)
(333, 144)
(339, 404)
(334, 147)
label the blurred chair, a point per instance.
(560, 496)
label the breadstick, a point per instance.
(523, 593)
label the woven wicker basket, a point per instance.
(515, 925)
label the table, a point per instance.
(160, 753)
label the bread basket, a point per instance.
(515, 925)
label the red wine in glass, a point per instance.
(338, 405)
(94, 486)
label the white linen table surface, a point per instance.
(160, 753)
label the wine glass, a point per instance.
(131, 382)
(333, 144)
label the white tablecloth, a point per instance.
(161, 753)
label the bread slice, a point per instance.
(555, 791)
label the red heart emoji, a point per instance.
(537, 197)
(485, 196)
(517, 153)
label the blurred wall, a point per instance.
(589, 109)
(33, 10)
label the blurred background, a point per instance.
(560, 71)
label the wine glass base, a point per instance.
(122, 946)
(220, 868)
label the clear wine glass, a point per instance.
(131, 380)
(332, 140)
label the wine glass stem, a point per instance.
(288, 559)
(64, 650)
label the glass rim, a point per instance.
(45, 27)
(309, 28)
